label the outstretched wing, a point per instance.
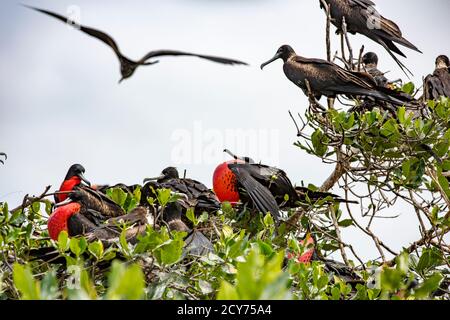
(160, 53)
(261, 197)
(105, 38)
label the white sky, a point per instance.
(60, 102)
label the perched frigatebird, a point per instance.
(309, 254)
(3, 155)
(438, 83)
(370, 62)
(267, 188)
(74, 178)
(362, 17)
(198, 196)
(128, 66)
(83, 211)
(329, 79)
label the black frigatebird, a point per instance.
(267, 188)
(370, 62)
(438, 83)
(362, 17)
(3, 155)
(329, 79)
(128, 66)
(198, 196)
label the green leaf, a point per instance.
(25, 283)
(125, 283)
(409, 88)
(429, 286)
(345, 223)
(96, 249)
(63, 241)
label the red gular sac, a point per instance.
(225, 183)
(67, 186)
(306, 256)
(58, 221)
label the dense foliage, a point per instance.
(405, 156)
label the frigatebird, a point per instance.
(310, 253)
(198, 196)
(3, 155)
(128, 66)
(74, 177)
(329, 79)
(82, 211)
(438, 83)
(362, 17)
(370, 63)
(267, 188)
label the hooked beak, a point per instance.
(276, 57)
(81, 176)
(153, 179)
(63, 203)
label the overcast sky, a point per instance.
(60, 102)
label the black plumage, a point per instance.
(438, 83)
(362, 17)
(198, 196)
(328, 79)
(3, 155)
(128, 66)
(270, 189)
(370, 63)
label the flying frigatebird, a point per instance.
(362, 17)
(329, 79)
(3, 155)
(438, 83)
(128, 66)
(267, 188)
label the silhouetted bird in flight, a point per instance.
(329, 79)
(198, 196)
(438, 83)
(267, 188)
(128, 66)
(74, 178)
(362, 17)
(370, 62)
(3, 155)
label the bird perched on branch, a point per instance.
(362, 17)
(438, 83)
(310, 253)
(198, 196)
(3, 155)
(328, 79)
(267, 188)
(370, 62)
(74, 178)
(128, 66)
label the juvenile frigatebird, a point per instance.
(438, 83)
(198, 196)
(3, 155)
(370, 62)
(329, 79)
(128, 66)
(362, 17)
(74, 178)
(267, 188)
